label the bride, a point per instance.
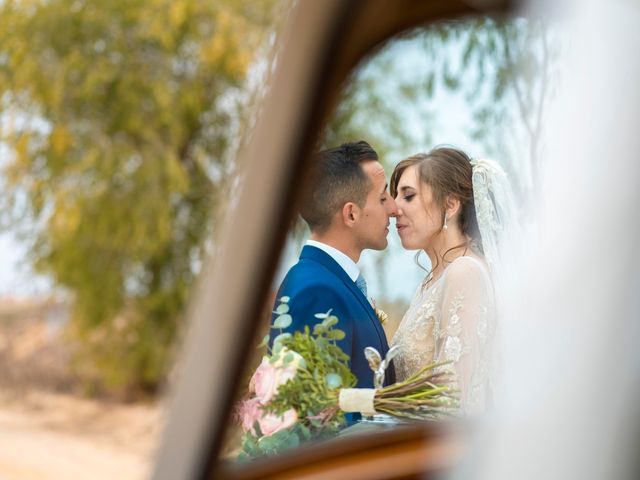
(452, 316)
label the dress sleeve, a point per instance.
(467, 307)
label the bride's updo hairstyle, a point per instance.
(448, 171)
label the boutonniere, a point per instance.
(381, 314)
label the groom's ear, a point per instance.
(350, 213)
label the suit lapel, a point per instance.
(317, 255)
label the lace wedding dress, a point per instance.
(452, 320)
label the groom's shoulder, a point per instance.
(310, 272)
(311, 261)
(309, 275)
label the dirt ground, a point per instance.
(47, 429)
(47, 435)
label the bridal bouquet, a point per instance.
(302, 389)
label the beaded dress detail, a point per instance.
(452, 320)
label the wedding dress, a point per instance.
(452, 320)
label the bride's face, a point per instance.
(418, 220)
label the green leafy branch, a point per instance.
(320, 377)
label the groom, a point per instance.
(347, 208)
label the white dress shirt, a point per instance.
(348, 265)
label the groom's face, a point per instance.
(373, 225)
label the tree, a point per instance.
(119, 118)
(508, 72)
(504, 68)
(372, 108)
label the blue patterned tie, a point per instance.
(362, 285)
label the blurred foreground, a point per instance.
(47, 429)
(59, 436)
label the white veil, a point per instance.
(502, 239)
(496, 215)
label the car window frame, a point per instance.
(323, 43)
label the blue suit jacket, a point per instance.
(316, 284)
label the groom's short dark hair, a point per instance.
(337, 178)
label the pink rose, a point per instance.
(271, 423)
(268, 377)
(264, 381)
(249, 412)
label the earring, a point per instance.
(445, 226)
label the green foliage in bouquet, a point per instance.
(324, 371)
(296, 393)
(296, 387)
(254, 447)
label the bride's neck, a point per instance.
(441, 253)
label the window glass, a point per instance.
(481, 85)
